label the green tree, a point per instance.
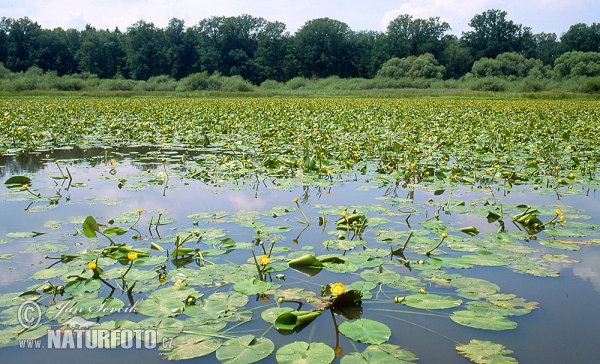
(581, 37)
(322, 48)
(457, 58)
(270, 58)
(368, 52)
(228, 45)
(408, 36)
(56, 50)
(546, 47)
(21, 43)
(145, 53)
(101, 52)
(180, 51)
(493, 34)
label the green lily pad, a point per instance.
(245, 349)
(486, 352)
(303, 352)
(431, 301)
(251, 286)
(380, 354)
(193, 347)
(295, 320)
(482, 321)
(366, 331)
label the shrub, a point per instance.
(296, 83)
(193, 82)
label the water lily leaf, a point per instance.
(271, 314)
(90, 227)
(366, 331)
(251, 286)
(303, 352)
(449, 263)
(17, 181)
(196, 346)
(114, 230)
(295, 320)
(565, 232)
(46, 248)
(161, 307)
(80, 286)
(22, 234)
(486, 352)
(343, 244)
(486, 260)
(54, 224)
(559, 258)
(557, 244)
(380, 354)
(482, 321)
(275, 229)
(50, 273)
(431, 301)
(245, 349)
(384, 276)
(307, 260)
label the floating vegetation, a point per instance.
(200, 273)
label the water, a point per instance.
(563, 328)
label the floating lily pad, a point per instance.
(380, 354)
(482, 321)
(303, 352)
(431, 301)
(486, 352)
(366, 331)
(195, 346)
(245, 349)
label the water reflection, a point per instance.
(96, 190)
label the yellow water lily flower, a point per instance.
(92, 265)
(337, 288)
(264, 260)
(132, 255)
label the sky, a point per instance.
(550, 16)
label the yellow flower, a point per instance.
(558, 212)
(132, 255)
(343, 213)
(444, 235)
(264, 260)
(25, 185)
(295, 199)
(562, 219)
(92, 265)
(337, 288)
(139, 211)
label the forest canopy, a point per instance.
(256, 50)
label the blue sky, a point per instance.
(541, 15)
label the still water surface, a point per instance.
(564, 329)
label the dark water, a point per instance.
(564, 329)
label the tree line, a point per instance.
(258, 50)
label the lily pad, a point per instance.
(366, 331)
(245, 349)
(431, 301)
(486, 352)
(305, 353)
(482, 321)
